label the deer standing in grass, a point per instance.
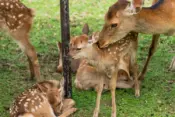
(108, 68)
(157, 19)
(44, 99)
(16, 19)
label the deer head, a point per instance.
(82, 41)
(116, 21)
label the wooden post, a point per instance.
(65, 35)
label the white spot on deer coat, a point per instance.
(20, 15)
(32, 110)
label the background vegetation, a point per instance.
(158, 89)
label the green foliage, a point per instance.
(158, 88)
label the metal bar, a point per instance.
(65, 35)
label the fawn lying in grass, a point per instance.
(108, 68)
(16, 19)
(44, 99)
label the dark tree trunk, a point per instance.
(65, 35)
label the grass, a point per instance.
(158, 89)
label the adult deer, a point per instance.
(44, 99)
(16, 19)
(155, 20)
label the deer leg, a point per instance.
(60, 66)
(99, 90)
(32, 58)
(32, 74)
(152, 50)
(112, 85)
(68, 103)
(68, 112)
(172, 65)
(134, 71)
(68, 108)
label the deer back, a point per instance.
(15, 15)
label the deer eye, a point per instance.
(114, 25)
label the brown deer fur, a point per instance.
(153, 20)
(76, 42)
(16, 19)
(44, 99)
(108, 68)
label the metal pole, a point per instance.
(65, 35)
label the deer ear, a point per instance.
(85, 29)
(131, 9)
(42, 87)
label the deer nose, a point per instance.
(102, 43)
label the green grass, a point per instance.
(157, 93)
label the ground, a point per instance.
(157, 91)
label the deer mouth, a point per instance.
(102, 44)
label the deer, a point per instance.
(16, 19)
(43, 99)
(108, 68)
(153, 20)
(76, 42)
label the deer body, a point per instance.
(44, 99)
(158, 19)
(16, 19)
(109, 68)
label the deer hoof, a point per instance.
(141, 77)
(29, 79)
(59, 69)
(95, 113)
(137, 93)
(172, 65)
(113, 114)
